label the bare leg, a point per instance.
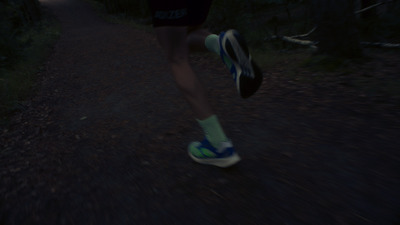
(174, 42)
(196, 37)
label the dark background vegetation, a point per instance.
(17, 17)
(260, 19)
(24, 26)
(27, 34)
(321, 145)
(257, 19)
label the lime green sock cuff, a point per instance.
(213, 130)
(212, 43)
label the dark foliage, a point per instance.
(16, 17)
(381, 26)
(337, 33)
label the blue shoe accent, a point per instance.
(204, 153)
(235, 54)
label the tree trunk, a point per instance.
(336, 33)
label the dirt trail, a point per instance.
(104, 142)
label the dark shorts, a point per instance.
(179, 12)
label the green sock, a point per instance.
(212, 44)
(213, 130)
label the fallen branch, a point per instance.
(356, 12)
(298, 41)
(312, 44)
(369, 7)
(295, 39)
(292, 40)
(304, 35)
(381, 45)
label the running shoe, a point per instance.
(235, 54)
(204, 153)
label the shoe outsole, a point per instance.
(248, 75)
(223, 162)
(227, 156)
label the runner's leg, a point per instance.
(201, 40)
(234, 53)
(216, 149)
(173, 40)
(196, 39)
